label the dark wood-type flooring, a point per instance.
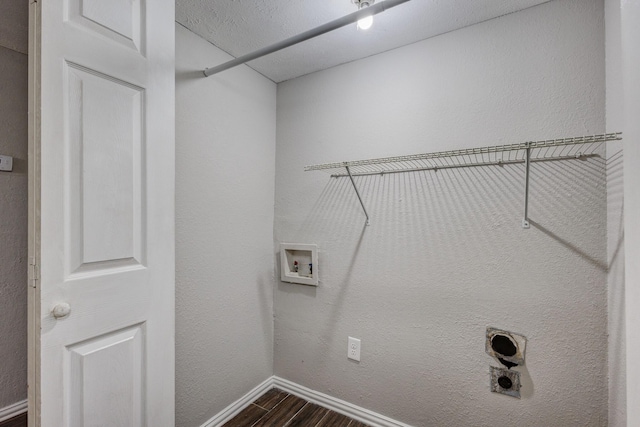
(277, 408)
(19, 421)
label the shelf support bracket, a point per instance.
(527, 163)
(355, 187)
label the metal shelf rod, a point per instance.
(527, 163)
(355, 187)
(315, 32)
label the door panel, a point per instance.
(102, 213)
(90, 384)
(120, 20)
(104, 178)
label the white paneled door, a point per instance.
(101, 193)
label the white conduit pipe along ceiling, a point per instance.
(352, 18)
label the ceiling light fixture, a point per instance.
(366, 22)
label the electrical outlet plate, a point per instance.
(6, 163)
(353, 349)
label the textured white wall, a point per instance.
(615, 219)
(225, 159)
(13, 203)
(630, 34)
(445, 256)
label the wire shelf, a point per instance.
(580, 147)
(553, 149)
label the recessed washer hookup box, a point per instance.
(299, 263)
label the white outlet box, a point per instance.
(353, 351)
(6, 163)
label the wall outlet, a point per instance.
(353, 351)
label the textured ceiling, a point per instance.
(242, 26)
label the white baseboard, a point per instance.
(357, 413)
(14, 410)
(236, 407)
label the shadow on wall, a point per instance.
(615, 191)
(337, 305)
(451, 240)
(438, 212)
(617, 328)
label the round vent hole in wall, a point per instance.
(504, 345)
